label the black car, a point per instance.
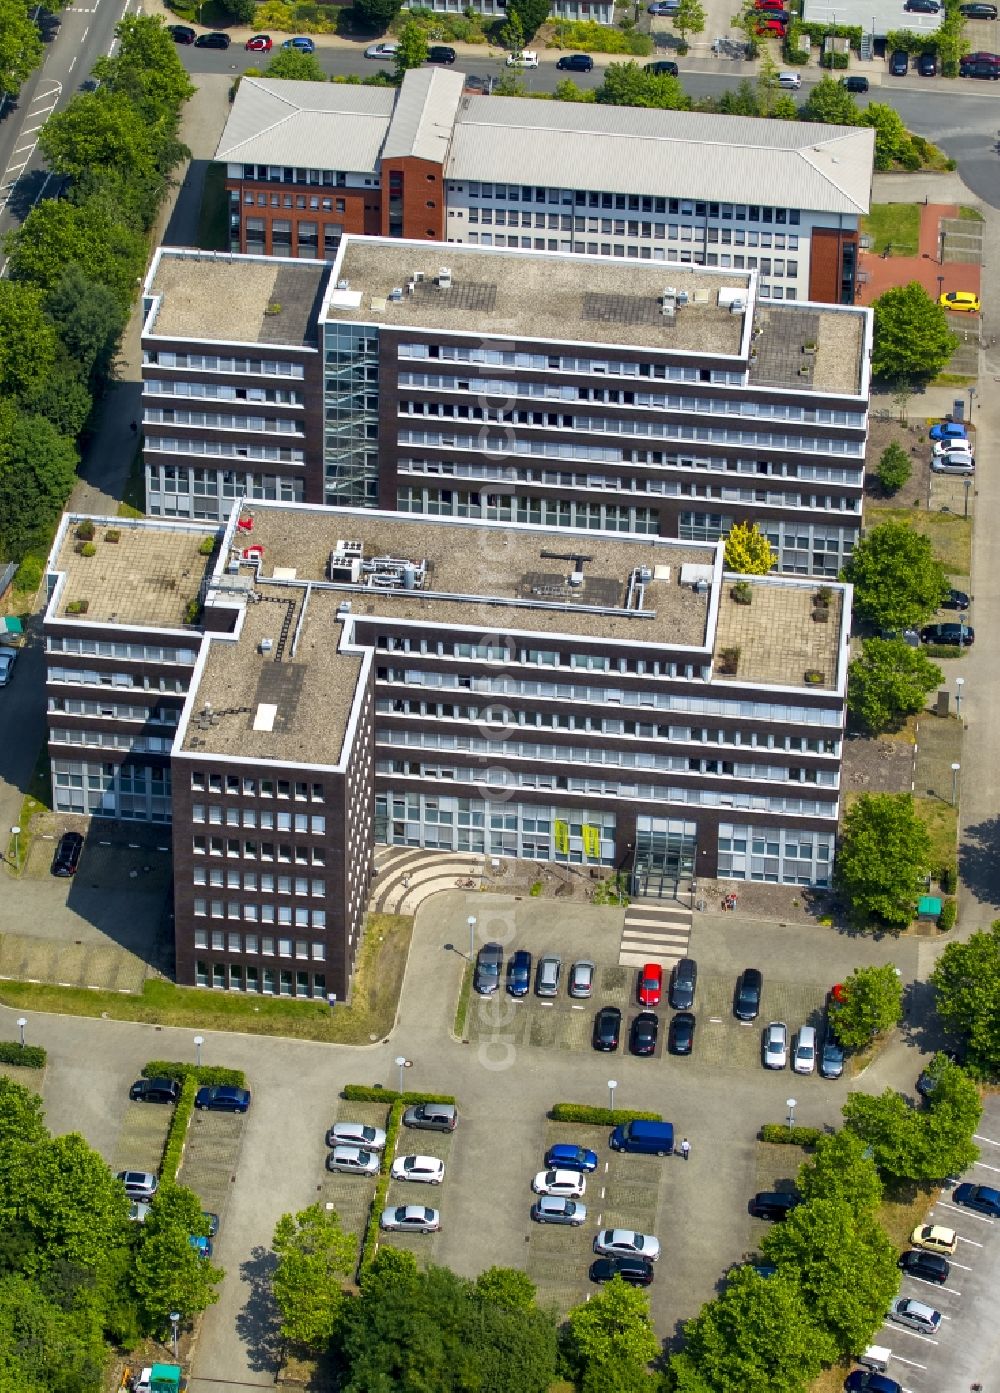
(680, 1039)
(899, 63)
(683, 981)
(982, 1198)
(662, 67)
(927, 65)
(181, 33)
(223, 1098)
(979, 11)
(441, 53)
(957, 599)
(519, 973)
(979, 67)
(576, 62)
(68, 854)
(214, 40)
(773, 1204)
(854, 83)
(643, 1036)
(607, 1028)
(155, 1091)
(932, 1267)
(922, 7)
(211, 1222)
(489, 960)
(746, 1006)
(961, 634)
(637, 1271)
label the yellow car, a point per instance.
(934, 1238)
(960, 300)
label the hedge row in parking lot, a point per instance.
(173, 1147)
(369, 1246)
(780, 1134)
(599, 1117)
(203, 1074)
(27, 1056)
(371, 1093)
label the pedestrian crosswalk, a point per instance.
(655, 933)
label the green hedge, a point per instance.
(208, 1074)
(173, 1147)
(780, 1134)
(599, 1117)
(366, 1093)
(948, 915)
(28, 1056)
(370, 1244)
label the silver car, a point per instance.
(352, 1160)
(776, 1045)
(581, 978)
(356, 1134)
(139, 1185)
(915, 1315)
(547, 975)
(8, 656)
(626, 1243)
(410, 1218)
(553, 1209)
(137, 1211)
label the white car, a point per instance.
(776, 1045)
(353, 1160)
(381, 50)
(570, 1184)
(427, 1169)
(950, 447)
(8, 656)
(957, 463)
(527, 58)
(626, 1243)
(356, 1134)
(410, 1218)
(804, 1058)
(790, 81)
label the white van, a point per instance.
(790, 80)
(804, 1058)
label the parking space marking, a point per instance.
(895, 1325)
(987, 1167)
(964, 1266)
(971, 1242)
(912, 1363)
(936, 1285)
(969, 1213)
(988, 1140)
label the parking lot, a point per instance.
(211, 1157)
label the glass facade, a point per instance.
(494, 828)
(665, 850)
(350, 389)
(782, 855)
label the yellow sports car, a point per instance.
(963, 300)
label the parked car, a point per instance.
(527, 58)
(201, 1244)
(957, 599)
(930, 1267)
(567, 1157)
(155, 1091)
(432, 1117)
(915, 1315)
(68, 853)
(746, 1007)
(570, 1184)
(213, 40)
(855, 83)
(211, 1222)
(922, 7)
(773, 1204)
(576, 62)
(8, 657)
(138, 1211)
(356, 1134)
(489, 960)
(927, 64)
(547, 975)
(979, 67)
(770, 22)
(963, 301)
(644, 1032)
(791, 81)
(979, 11)
(519, 973)
(607, 1028)
(441, 53)
(899, 63)
(956, 463)
(831, 1058)
(423, 1170)
(680, 1037)
(650, 985)
(804, 1057)
(302, 44)
(139, 1185)
(410, 1218)
(870, 1381)
(961, 634)
(353, 1160)
(223, 1098)
(581, 979)
(950, 447)
(934, 1238)
(383, 50)
(948, 430)
(663, 8)
(553, 1209)
(683, 983)
(775, 1045)
(982, 1198)
(661, 67)
(632, 1270)
(626, 1243)
(260, 43)
(181, 33)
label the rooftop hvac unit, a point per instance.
(396, 294)
(729, 294)
(344, 568)
(418, 276)
(668, 302)
(682, 297)
(343, 609)
(343, 285)
(266, 645)
(737, 307)
(444, 278)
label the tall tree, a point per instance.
(28, 345)
(911, 340)
(883, 860)
(748, 551)
(690, 18)
(411, 51)
(377, 15)
(88, 321)
(894, 468)
(893, 142)
(918, 1144)
(626, 84)
(966, 984)
(56, 233)
(830, 104)
(898, 581)
(610, 1340)
(168, 1274)
(888, 682)
(314, 1256)
(20, 45)
(99, 130)
(37, 471)
(295, 66)
(531, 15)
(840, 1169)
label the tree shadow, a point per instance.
(258, 1323)
(979, 861)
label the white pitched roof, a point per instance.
(678, 154)
(424, 118)
(317, 125)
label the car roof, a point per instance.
(556, 1202)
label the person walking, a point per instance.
(685, 1148)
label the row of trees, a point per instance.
(73, 269)
(76, 1276)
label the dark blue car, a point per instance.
(981, 1198)
(865, 1381)
(519, 973)
(223, 1098)
(566, 1157)
(302, 43)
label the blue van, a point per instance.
(650, 1138)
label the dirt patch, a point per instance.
(914, 441)
(785, 904)
(877, 765)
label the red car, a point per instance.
(771, 26)
(650, 985)
(769, 4)
(260, 43)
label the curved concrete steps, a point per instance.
(406, 876)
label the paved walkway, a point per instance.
(927, 267)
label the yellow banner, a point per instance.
(561, 833)
(592, 841)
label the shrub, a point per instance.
(780, 1134)
(192, 610)
(742, 592)
(85, 530)
(206, 1074)
(88, 549)
(113, 534)
(948, 915)
(599, 1117)
(369, 1244)
(173, 1147)
(894, 468)
(206, 546)
(587, 36)
(27, 1056)
(78, 607)
(367, 1093)
(948, 879)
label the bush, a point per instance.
(78, 607)
(894, 468)
(948, 879)
(27, 1056)
(587, 36)
(29, 574)
(112, 535)
(780, 1134)
(87, 549)
(85, 531)
(206, 546)
(366, 1093)
(207, 1074)
(948, 915)
(173, 1147)
(369, 1245)
(599, 1117)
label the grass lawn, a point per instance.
(462, 1009)
(213, 217)
(38, 799)
(950, 534)
(133, 504)
(970, 214)
(370, 1016)
(895, 224)
(941, 821)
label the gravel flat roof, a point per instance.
(147, 577)
(221, 298)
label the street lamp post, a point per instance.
(972, 395)
(790, 1105)
(968, 486)
(612, 1085)
(22, 1022)
(471, 921)
(959, 684)
(199, 1040)
(402, 1063)
(15, 832)
(940, 281)
(175, 1318)
(954, 783)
